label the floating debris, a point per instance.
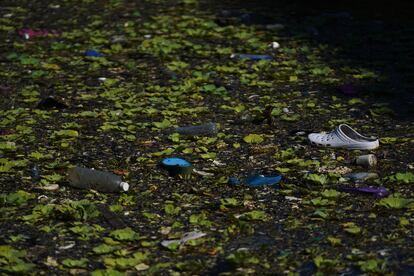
(177, 166)
(186, 237)
(256, 180)
(85, 178)
(377, 191)
(251, 57)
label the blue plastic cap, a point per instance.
(175, 161)
(93, 53)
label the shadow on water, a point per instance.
(368, 34)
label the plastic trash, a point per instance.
(368, 160)
(177, 166)
(35, 173)
(377, 191)
(208, 129)
(251, 57)
(84, 178)
(93, 53)
(261, 180)
(274, 45)
(186, 237)
(30, 33)
(344, 137)
(361, 176)
(256, 180)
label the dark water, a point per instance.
(370, 34)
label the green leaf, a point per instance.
(352, 228)
(162, 125)
(321, 213)
(396, 203)
(171, 210)
(369, 265)
(388, 140)
(208, 155)
(66, 133)
(8, 146)
(254, 215)
(334, 241)
(16, 199)
(317, 178)
(253, 138)
(242, 258)
(39, 156)
(330, 193)
(200, 219)
(104, 249)
(321, 202)
(81, 263)
(355, 101)
(229, 202)
(125, 234)
(405, 178)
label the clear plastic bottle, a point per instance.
(368, 160)
(84, 178)
(208, 129)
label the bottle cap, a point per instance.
(124, 186)
(177, 166)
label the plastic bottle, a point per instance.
(97, 180)
(368, 160)
(208, 129)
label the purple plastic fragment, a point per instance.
(377, 191)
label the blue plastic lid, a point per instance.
(93, 53)
(175, 162)
(261, 180)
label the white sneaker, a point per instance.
(344, 137)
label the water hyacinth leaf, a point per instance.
(405, 178)
(66, 133)
(318, 178)
(104, 249)
(79, 263)
(126, 234)
(396, 203)
(330, 193)
(372, 265)
(254, 215)
(352, 228)
(253, 139)
(8, 146)
(321, 213)
(334, 241)
(16, 198)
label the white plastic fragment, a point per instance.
(274, 45)
(202, 173)
(69, 245)
(292, 198)
(193, 235)
(51, 187)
